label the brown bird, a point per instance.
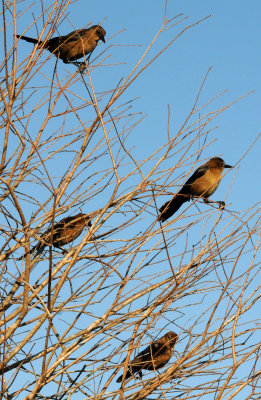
(64, 232)
(76, 44)
(155, 356)
(202, 183)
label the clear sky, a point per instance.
(228, 42)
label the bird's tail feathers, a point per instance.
(128, 375)
(28, 39)
(37, 249)
(171, 206)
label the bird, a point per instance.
(155, 356)
(63, 232)
(202, 183)
(72, 46)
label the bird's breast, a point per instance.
(207, 184)
(68, 233)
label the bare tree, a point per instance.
(72, 318)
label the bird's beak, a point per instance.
(228, 166)
(103, 39)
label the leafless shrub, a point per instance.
(71, 320)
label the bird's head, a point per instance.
(217, 162)
(101, 33)
(172, 337)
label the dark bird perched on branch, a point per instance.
(155, 356)
(76, 44)
(202, 183)
(64, 232)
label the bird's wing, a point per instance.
(153, 350)
(59, 229)
(56, 230)
(144, 355)
(197, 174)
(67, 220)
(159, 347)
(74, 35)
